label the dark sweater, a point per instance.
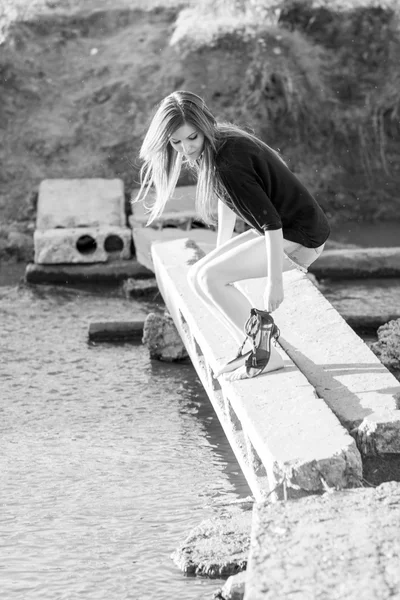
(267, 195)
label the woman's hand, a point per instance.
(273, 295)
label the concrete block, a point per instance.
(82, 245)
(364, 303)
(71, 203)
(179, 209)
(336, 361)
(111, 273)
(340, 545)
(145, 237)
(285, 437)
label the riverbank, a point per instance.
(72, 107)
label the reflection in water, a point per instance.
(107, 459)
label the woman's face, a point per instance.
(188, 140)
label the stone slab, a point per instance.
(283, 435)
(100, 331)
(344, 371)
(54, 246)
(145, 237)
(180, 207)
(364, 304)
(71, 203)
(110, 273)
(357, 263)
(343, 545)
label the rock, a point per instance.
(234, 587)
(387, 348)
(16, 245)
(162, 339)
(342, 544)
(217, 547)
(139, 288)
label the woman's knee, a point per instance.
(209, 278)
(193, 278)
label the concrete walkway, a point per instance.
(285, 437)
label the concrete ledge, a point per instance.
(110, 273)
(366, 304)
(340, 545)
(82, 244)
(344, 371)
(357, 263)
(284, 436)
(180, 209)
(145, 237)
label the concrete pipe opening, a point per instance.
(86, 244)
(113, 243)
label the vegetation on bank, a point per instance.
(322, 83)
(318, 79)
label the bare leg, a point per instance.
(213, 280)
(195, 277)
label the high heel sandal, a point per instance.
(257, 323)
(264, 328)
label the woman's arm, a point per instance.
(226, 223)
(273, 295)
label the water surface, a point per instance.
(108, 459)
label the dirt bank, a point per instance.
(79, 80)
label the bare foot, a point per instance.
(274, 364)
(232, 365)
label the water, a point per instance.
(107, 459)
(368, 235)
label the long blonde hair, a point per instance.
(162, 164)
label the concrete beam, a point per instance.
(283, 434)
(71, 203)
(340, 545)
(364, 303)
(105, 331)
(110, 273)
(358, 388)
(353, 263)
(145, 237)
(82, 244)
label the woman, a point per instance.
(237, 175)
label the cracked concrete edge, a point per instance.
(378, 433)
(341, 470)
